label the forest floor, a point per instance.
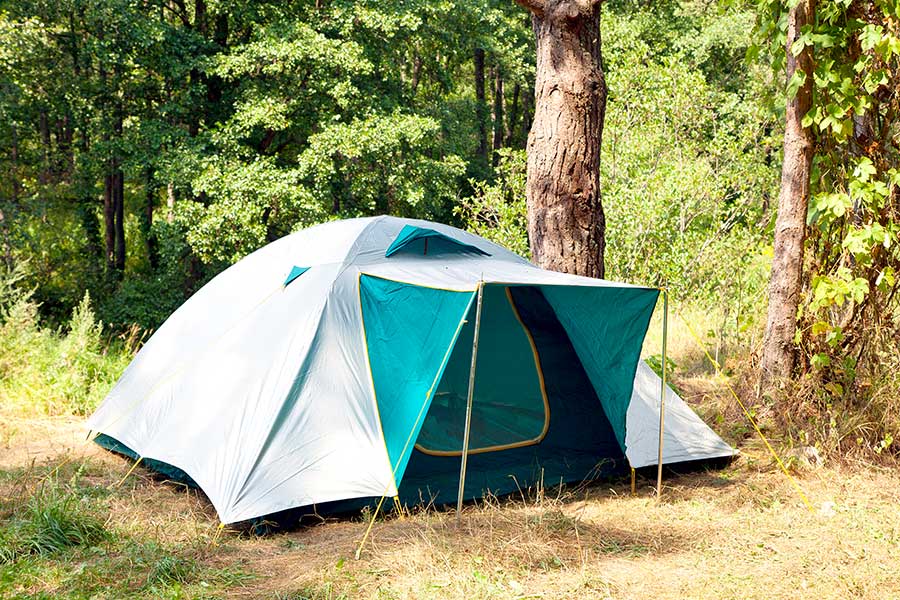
(739, 532)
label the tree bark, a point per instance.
(170, 203)
(480, 106)
(109, 218)
(150, 188)
(118, 189)
(497, 114)
(513, 116)
(566, 225)
(779, 351)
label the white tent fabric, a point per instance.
(685, 437)
(215, 390)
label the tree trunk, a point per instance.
(480, 106)
(119, 199)
(497, 114)
(150, 188)
(109, 218)
(566, 225)
(513, 116)
(790, 225)
(119, 191)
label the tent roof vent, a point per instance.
(421, 240)
(294, 274)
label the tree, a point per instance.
(566, 225)
(779, 349)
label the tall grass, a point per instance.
(52, 372)
(50, 521)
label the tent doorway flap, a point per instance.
(510, 408)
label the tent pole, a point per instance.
(469, 400)
(662, 395)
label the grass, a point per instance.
(740, 532)
(68, 530)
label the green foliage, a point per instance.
(252, 119)
(850, 312)
(169, 570)
(52, 372)
(51, 521)
(496, 210)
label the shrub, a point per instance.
(51, 372)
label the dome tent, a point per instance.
(333, 364)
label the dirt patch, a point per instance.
(739, 532)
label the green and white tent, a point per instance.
(334, 363)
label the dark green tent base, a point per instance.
(526, 482)
(164, 469)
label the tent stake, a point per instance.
(469, 400)
(662, 395)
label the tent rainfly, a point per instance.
(334, 365)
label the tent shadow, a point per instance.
(684, 476)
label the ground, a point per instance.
(739, 532)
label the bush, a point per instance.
(51, 372)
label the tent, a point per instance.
(686, 438)
(333, 365)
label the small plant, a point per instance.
(52, 520)
(171, 570)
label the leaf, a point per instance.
(820, 360)
(870, 36)
(820, 327)
(865, 169)
(793, 86)
(836, 389)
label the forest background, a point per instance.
(147, 145)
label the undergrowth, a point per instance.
(51, 520)
(53, 372)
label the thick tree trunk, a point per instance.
(497, 115)
(480, 106)
(790, 225)
(566, 225)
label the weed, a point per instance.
(51, 521)
(170, 570)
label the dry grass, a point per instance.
(741, 532)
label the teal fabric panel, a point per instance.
(606, 327)
(421, 240)
(508, 404)
(580, 443)
(294, 274)
(410, 331)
